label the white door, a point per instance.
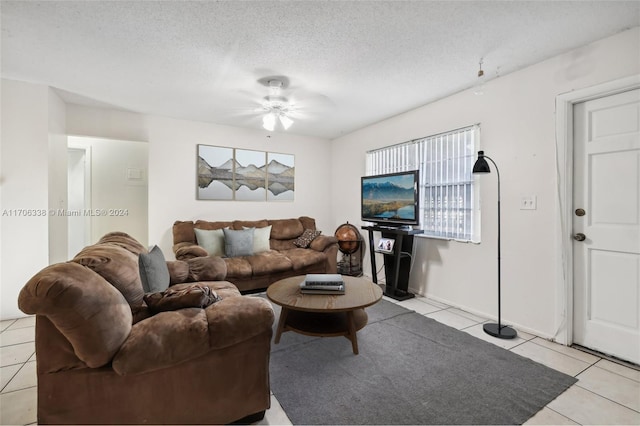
(607, 262)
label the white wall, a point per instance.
(517, 116)
(24, 175)
(172, 160)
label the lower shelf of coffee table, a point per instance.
(323, 324)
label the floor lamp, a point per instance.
(496, 330)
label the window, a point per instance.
(447, 194)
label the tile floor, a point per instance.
(606, 393)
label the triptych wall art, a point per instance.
(244, 175)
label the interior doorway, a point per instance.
(107, 190)
(78, 198)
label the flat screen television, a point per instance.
(391, 199)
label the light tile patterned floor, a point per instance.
(606, 393)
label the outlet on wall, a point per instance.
(529, 202)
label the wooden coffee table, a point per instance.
(321, 314)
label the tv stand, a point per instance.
(397, 264)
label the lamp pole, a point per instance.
(496, 330)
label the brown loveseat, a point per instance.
(103, 358)
(259, 270)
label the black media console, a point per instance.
(397, 262)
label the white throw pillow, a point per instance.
(261, 238)
(211, 240)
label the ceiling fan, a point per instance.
(276, 107)
(278, 104)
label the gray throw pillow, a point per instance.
(238, 243)
(154, 272)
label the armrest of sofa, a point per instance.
(207, 268)
(187, 250)
(322, 242)
(178, 271)
(329, 246)
(173, 337)
(236, 319)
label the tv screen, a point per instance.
(391, 198)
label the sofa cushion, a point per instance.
(212, 240)
(154, 273)
(281, 245)
(238, 242)
(238, 267)
(223, 289)
(301, 258)
(91, 314)
(172, 299)
(285, 229)
(308, 222)
(269, 262)
(304, 240)
(116, 265)
(204, 224)
(242, 224)
(183, 232)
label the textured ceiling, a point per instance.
(349, 63)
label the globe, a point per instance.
(348, 238)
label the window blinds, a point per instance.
(445, 161)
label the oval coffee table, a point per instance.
(322, 314)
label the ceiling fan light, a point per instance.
(286, 121)
(269, 122)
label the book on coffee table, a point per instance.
(322, 284)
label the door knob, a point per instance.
(579, 236)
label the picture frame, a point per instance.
(385, 245)
(232, 174)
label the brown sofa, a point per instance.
(103, 358)
(258, 271)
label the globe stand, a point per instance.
(351, 247)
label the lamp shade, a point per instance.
(269, 122)
(285, 121)
(481, 165)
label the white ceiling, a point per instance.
(349, 63)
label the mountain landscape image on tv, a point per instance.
(390, 198)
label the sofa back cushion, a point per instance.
(91, 314)
(116, 265)
(286, 229)
(242, 224)
(183, 232)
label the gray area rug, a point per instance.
(411, 370)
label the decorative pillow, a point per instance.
(211, 240)
(304, 240)
(238, 242)
(261, 238)
(196, 296)
(154, 272)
